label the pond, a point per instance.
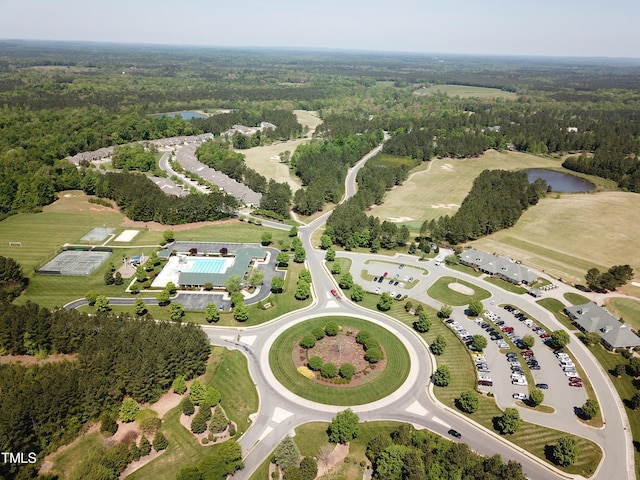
(559, 181)
(184, 115)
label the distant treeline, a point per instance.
(611, 164)
(44, 405)
(141, 199)
(286, 123)
(496, 201)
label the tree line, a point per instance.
(286, 123)
(496, 201)
(611, 163)
(141, 199)
(114, 356)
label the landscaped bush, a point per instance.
(331, 329)
(329, 370)
(315, 363)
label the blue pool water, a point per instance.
(186, 115)
(208, 265)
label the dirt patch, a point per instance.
(463, 289)
(28, 360)
(340, 349)
(338, 455)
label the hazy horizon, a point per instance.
(494, 27)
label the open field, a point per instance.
(441, 185)
(628, 310)
(266, 161)
(565, 237)
(467, 91)
(442, 292)
(71, 217)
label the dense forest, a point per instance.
(420, 455)
(109, 357)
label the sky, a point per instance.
(561, 28)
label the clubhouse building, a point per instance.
(589, 317)
(502, 267)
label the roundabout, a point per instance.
(372, 383)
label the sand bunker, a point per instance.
(458, 287)
(399, 219)
(444, 205)
(447, 166)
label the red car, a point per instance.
(335, 293)
(385, 274)
(527, 353)
(507, 329)
(575, 379)
(575, 384)
(545, 335)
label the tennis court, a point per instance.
(97, 234)
(75, 262)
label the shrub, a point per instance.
(329, 370)
(373, 355)
(187, 407)
(331, 329)
(308, 341)
(442, 376)
(128, 410)
(468, 401)
(347, 371)
(315, 363)
(160, 442)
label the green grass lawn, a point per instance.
(508, 286)
(464, 269)
(557, 308)
(440, 291)
(395, 373)
(575, 298)
(627, 309)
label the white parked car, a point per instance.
(520, 396)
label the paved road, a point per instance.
(280, 411)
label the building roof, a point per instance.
(240, 267)
(502, 266)
(593, 318)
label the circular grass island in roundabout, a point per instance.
(384, 378)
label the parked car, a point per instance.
(575, 384)
(380, 279)
(385, 274)
(402, 265)
(542, 386)
(375, 279)
(520, 396)
(378, 291)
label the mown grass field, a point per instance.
(442, 184)
(70, 218)
(567, 236)
(441, 291)
(395, 373)
(467, 91)
(557, 308)
(625, 308)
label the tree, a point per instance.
(187, 406)
(128, 410)
(590, 409)
(329, 370)
(241, 313)
(347, 371)
(160, 442)
(179, 385)
(373, 355)
(199, 422)
(163, 297)
(219, 421)
(528, 341)
(346, 281)
(479, 342)
(330, 256)
(299, 255)
(144, 446)
(108, 278)
(211, 313)
(565, 452)
(305, 275)
(171, 288)
(233, 283)
(325, 242)
(277, 284)
(287, 453)
(139, 307)
(336, 269)
(509, 422)
(315, 363)
(283, 259)
(308, 468)
(293, 232)
(255, 277)
(176, 312)
(385, 302)
(633, 367)
(438, 345)
(189, 473)
(108, 423)
(476, 308)
(91, 297)
(303, 290)
(134, 289)
(357, 293)
(308, 341)
(331, 329)
(212, 397)
(442, 376)
(265, 240)
(141, 274)
(468, 401)
(451, 260)
(423, 324)
(634, 402)
(197, 391)
(445, 311)
(536, 397)
(102, 304)
(559, 339)
(344, 427)
(169, 236)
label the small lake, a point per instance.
(184, 115)
(560, 182)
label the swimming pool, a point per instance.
(205, 265)
(182, 264)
